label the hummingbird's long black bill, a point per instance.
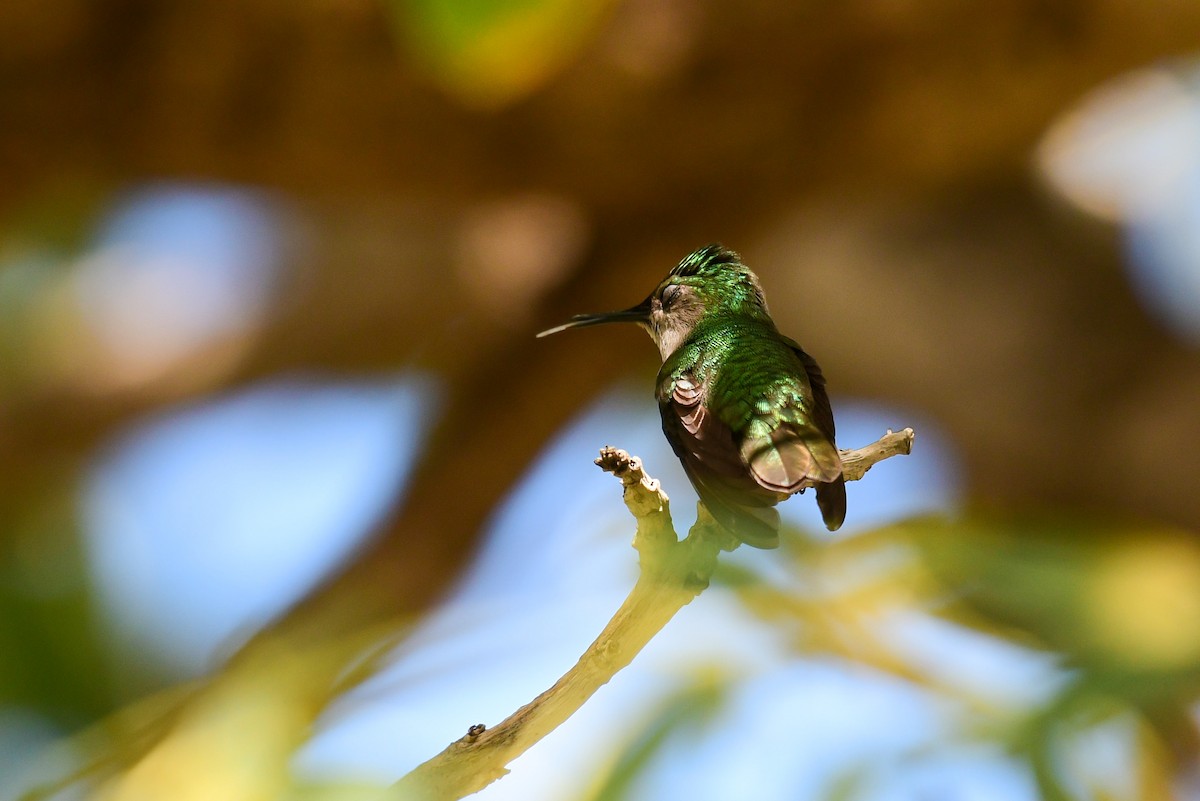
(638, 314)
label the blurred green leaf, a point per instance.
(490, 52)
(849, 784)
(334, 791)
(59, 218)
(51, 652)
(687, 712)
(1118, 596)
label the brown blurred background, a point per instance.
(955, 206)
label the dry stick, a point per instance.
(673, 572)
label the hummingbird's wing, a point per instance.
(783, 446)
(822, 412)
(831, 496)
(706, 448)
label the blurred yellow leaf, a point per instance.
(1142, 602)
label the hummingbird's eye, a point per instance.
(670, 294)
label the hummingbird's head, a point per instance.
(710, 280)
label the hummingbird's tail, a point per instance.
(831, 498)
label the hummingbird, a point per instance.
(744, 407)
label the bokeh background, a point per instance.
(290, 496)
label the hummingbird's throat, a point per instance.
(670, 328)
(668, 338)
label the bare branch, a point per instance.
(856, 463)
(673, 572)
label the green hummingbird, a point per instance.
(743, 406)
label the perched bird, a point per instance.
(743, 406)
